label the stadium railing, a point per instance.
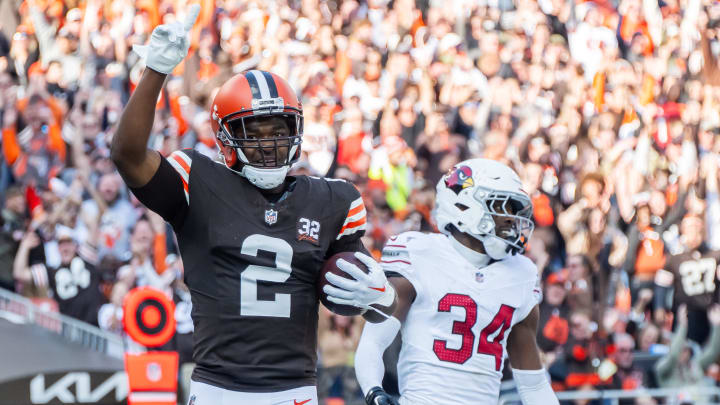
(23, 310)
(689, 395)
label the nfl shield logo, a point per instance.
(479, 277)
(271, 216)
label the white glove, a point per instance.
(169, 43)
(365, 290)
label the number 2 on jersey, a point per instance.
(500, 323)
(250, 305)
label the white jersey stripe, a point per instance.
(327, 179)
(356, 203)
(181, 171)
(185, 178)
(349, 231)
(355, 217)
(183, 156)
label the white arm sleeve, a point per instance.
(376, 337)
(534, 387)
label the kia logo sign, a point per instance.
(78, 387)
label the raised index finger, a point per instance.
(192, 15)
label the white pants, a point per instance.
(204, 394)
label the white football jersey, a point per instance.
(454, 336)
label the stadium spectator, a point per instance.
(690, 267)
(14, 216)
(116, 214)
(623, 372)
(686, 363)
(74, 283)
(554, 314)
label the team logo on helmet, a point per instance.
(460, 178)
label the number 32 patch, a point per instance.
(308, 230)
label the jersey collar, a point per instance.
(477, 259)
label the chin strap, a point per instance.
(495, 246)
(262, 178)
(265, 178)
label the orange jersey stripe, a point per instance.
(182, 163)
(354, 224)
(355, 210)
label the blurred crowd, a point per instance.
(608, 109)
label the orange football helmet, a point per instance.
(250, 95)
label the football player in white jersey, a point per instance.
(467, 297)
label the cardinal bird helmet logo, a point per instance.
(460, 178)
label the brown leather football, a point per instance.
(331, 266)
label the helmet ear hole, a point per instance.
(461, 207)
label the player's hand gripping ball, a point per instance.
(353, 283)
(331, 267)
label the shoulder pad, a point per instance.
(522, 263)
(337, 189)
(410, 239)
(527, 273)
(397, 249)
(350, 204)
(340, 187)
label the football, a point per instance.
(331, 266)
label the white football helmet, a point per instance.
(476, 191)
